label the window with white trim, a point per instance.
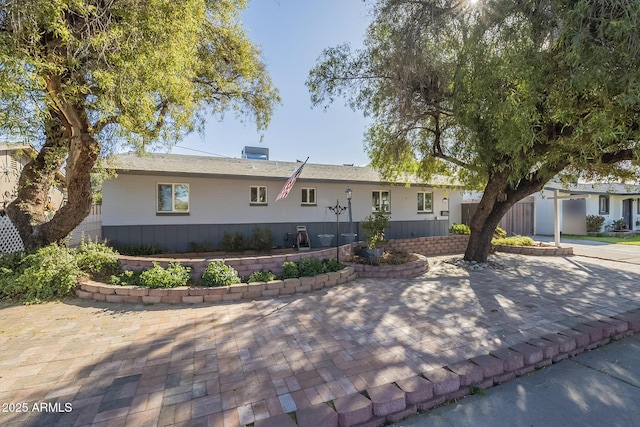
(380, 201)
(172, 198)
(308, 197)
(604, 205)
(425, 202)
(258, 195)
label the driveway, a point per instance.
(231, 364)
(610, 251)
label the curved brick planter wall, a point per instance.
(243, 265)
(184, 294)
(401, 271)
(535, 250)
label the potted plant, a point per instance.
(374, 226)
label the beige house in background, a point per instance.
(13, 158)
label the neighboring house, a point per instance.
(13, 158)
(612, 201)
(172, 200)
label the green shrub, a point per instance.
(261, 276)
(11, 267)
(330, 265)
(499, 233)
(140, 250)
(309, 267)
(47, 274)
(290, 270)
(205, 246)
(126, 278)
(594, 223)
(459, 229)
(97, 260)
(514, 241)
(233, 242)
(261, 240)
(173, 276)
(220, 274)
(619, 224)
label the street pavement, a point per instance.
(598, 388)
(231, 364)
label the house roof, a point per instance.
(177, 164)
(612, 188)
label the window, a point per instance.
(173, 198)
(258, 195)
(380, 201)
(425, 202)
(604, 205)
(309, 196)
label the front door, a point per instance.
(626, 213)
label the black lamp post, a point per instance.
(337, 209)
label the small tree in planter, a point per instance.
(374, 226)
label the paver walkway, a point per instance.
(232, 364)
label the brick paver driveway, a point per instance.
(231, 364)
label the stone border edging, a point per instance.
(400, 271)
(193, 295)
(392, 402)
(535, 250)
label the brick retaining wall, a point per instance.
(191, 295)
(535, 250)
(400, 271)
(430, 246)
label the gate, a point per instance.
(518, 220)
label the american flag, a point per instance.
(290, 182)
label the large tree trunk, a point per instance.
(68, 138)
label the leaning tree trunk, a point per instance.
(70, 139)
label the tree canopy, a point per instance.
(81, 76)
(504, 94)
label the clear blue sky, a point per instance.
(291, 35)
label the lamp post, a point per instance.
(337, 209)
(349, 194)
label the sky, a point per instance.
(291, 35)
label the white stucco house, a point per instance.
(172, 200)
(613, 201)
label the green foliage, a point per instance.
(220, 274)
(374, 226)
(143, 73)
(126, 278)
(499, 233)
(141, 250)
(205, 246)
(619, 224)
(513, 241)
(459, 229)
(97, 260)
(331, 265)
(173, 276)
(233, 242)
(290, 270)
(503, 96)
(309, 267)
(594, 223)
(261, 240)
(261, 276)
(47, 274)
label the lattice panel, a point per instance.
(10, 240)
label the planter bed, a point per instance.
(410, 269)
(97, 291)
